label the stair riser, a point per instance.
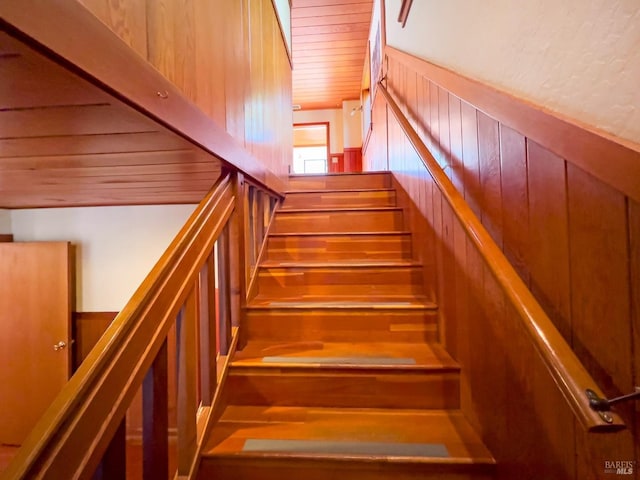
(381, 198)
(339, 221)
(340, 182)
(377, 326)
(298, 282)
(343, 389)
(339, 247)
(242, 468)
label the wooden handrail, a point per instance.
(121, 72)
(567, 371)
(71, 437)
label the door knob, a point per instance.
(59, 346)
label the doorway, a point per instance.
(310, 147)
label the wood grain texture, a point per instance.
(82, 146)
(380, 219)
(515, 200)
(469, 459)
(114, 370)
(338, 325)
(538, 233)
(549, 236)
(88, 327)
(567, 138)
(329, 42)
(192, 98)
(35, 304)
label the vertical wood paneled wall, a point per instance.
(573, 239)
(228, 57)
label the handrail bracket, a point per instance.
(603, 405)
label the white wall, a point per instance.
(352, 124)
(579, 58)
(5, 221)
(333, 116)
(116, 247)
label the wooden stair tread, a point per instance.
(350, 355)
(445, 427)
(339, 190)
(339, 174)
(342, 302)
(337, 210)
(356, 263)
(329, 234)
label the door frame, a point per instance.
(313, 124)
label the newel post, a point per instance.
(237, 254)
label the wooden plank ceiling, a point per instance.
(65, 142)
(329, 43)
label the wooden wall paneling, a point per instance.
(600, 293)
(515, 200)
(587, 148)
(411, 81)
(161, 48)
(459, 336)
(434, 122)
(634, 254)
(419, 107)
(472, 191)
(236, 66)
(209, 54)
(600, 304)
(447, 299)
(88, 327)
(426, 113)
(549, 236)
(254, 107)
(171, 41)
(438, 231)
(444, 126)
(91, 144)
(547, 449)
(22, 72)
(551, 218)
(456, 168)
(492, 390)
(127, 19)
(65, 120)
(490, 184)
(185, 62)
(474, 367)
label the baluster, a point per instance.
(246, 230)
(224, 291)
(254, 229)
(187, 383)
(114, 461)
(155, 418)
(259, 219)
(208, 335)
(237, 258)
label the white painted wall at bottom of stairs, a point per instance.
(116, 247)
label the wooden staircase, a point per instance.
(342, 375)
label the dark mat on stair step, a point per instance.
(389, 449)
(342, 360)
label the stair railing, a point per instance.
(568, 373)
(181, 323)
